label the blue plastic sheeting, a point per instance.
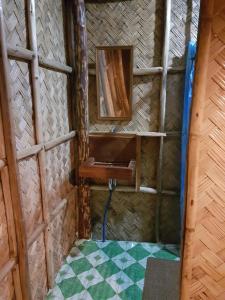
(189, 76)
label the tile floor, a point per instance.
(112, 270)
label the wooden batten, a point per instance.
(39, 134)
(9, 139)
(194, 143)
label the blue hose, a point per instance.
(112, 186)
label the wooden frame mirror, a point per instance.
(114, 78)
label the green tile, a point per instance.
(81, 265)
(70, 287)
(113, 249)
(107, 269)
(135, 272)
(164, 254)
(88, 247)
(138, 252)
(131, 293)
(101, 291)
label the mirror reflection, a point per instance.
(114, 71)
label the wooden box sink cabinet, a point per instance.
(106, 170)
(111, 155)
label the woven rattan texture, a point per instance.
(62, 231)
(145, 107)
(30, 188)
(171, 166)
(4, 247)
(50, 33)
(184, 27)
(54, 103)
(149, 159)
(37, 268)
(128, 219)
(138, 23)
(15, 22)
(22, 105)
(59, 163)
(208, 268)
(6, 287)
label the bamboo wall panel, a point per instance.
(171, 169)
(15, 22)
(50, 32)
(145, 107)
(22, 105)
(54, 100)
(184, 27)
(37, 269)
(149, 157)
(6, 288)
(203, 274)
(31, 194)
(174, 104)
(4, 246)
(138, 23)
(59, 163)
(127, 217)
(170, 220)
(62, 230)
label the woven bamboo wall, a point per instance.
(203, 264)
(47, 175)
(141, 23)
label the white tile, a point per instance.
(116, 297)
(151, 248)
(127, 245)
(102, 244)
(64, 273)
(97, 258)
(56, 294)
(75, 254)
(87, 282)
(123, 260)
(84, 295)
(119, 282)
(140, 284)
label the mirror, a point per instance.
(114, 74)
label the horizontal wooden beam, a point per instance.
(145, 71)
(148, 190)
(53, 65)
(129, 133)
(29, 152)
(60, 140)
(35, 149)
(7, 267)
(20, 53)
(34, 236)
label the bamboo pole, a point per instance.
(82, 113)
(39, 136)
(9, 139)
(199, 91)
(53, 65)
(162, 113)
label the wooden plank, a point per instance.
(17, 52)
(60, 140)
(197, 117)
(53, 65)
(9, 138)
(8, 267)
(165, 55)
(138, 163)
(39, 135)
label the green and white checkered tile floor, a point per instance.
(112, 270)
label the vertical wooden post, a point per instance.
(39, 135)
(82, 114)
(165, 56)
(11, 159)
(199, 92)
